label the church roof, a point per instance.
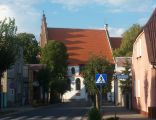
(150, 34)
(81, 43)
(115, 42)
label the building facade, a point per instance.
(144, 70)
(15, 81)
(119, 97)
(80, 43)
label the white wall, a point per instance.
(75, 94)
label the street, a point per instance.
(63, 111)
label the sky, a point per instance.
(90, 14)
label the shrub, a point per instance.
(94, 114)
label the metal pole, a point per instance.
(101, 97)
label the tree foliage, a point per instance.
(97, 64)
(126, 85)
(7, 44)
(43, 76)
(55, 56)
(128, 39)
(30, 47)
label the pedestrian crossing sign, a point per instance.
(101, 78)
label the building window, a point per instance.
(11, 91)
(73, 70)
(78, 84)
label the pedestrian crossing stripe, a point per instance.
(101, 78)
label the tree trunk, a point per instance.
(1, 75)
(47, 98)
(43, 92)
(61, 97)
(51, 95)
(97, 101)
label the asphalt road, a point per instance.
(65, 111)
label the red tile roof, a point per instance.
(150, 34)
(115, 42)
(121, 61)
(81, 43)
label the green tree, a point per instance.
(126, 85)
(97, 64)
(43, 76)
(129, 37)
(30, 47)
(7, 44)
(55, 56)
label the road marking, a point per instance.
(34, 117)
(19, 118)
(77, 118)
(62, 118)
(47, 118)
(6, 118)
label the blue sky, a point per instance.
(118, 14)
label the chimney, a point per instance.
(106, 26)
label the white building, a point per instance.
(77, 86)
(119, 68)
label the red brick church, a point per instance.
(80, 43)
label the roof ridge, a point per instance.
(100, 29)
(150, 18)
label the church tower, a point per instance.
(44, 32)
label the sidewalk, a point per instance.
(121, 112)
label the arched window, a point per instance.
(78, 84)
(73, 70)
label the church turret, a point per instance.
(44, 32)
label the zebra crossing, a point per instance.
(40, 118)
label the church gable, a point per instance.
(80, 43)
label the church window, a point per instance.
(78, 84)
(73, 70)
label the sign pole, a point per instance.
(101, 97)
(100, 80)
